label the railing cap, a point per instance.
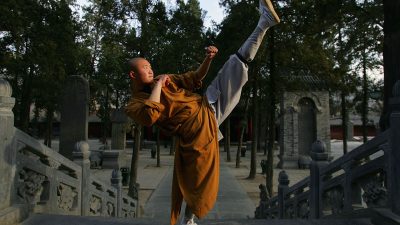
(5, 88)
(283, 178)
(115, 177)
(83, 146)
(318, 147)
(318, 151)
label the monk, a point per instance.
(169, 102)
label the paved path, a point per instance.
(232, 201)
(38, 219)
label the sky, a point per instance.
(214, 11)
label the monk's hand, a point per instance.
(211, 51)
(163, 80)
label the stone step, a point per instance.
(43, 219)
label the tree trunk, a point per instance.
(158, 147)
(271, 142)
(25, 102)
(344, 121)
(243, 127)
(259, 126)
(49, 127)
(391, 55)
(135, 158)
(227, 141)
(267, 134)
(254, 138)
(364, 115)
(270, 156)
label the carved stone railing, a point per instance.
(366, 178)
(36, 179)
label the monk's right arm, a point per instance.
(162, 81)
(145, 112)
(156, 92)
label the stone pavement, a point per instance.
(38, 219)
(295, 175)
(232, 201)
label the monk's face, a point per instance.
(142, 72)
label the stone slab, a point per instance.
(68, 220)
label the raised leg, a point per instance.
(224, 91)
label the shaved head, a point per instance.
(133, 63)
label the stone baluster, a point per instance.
(283, 187)
(83, 147)
(116, 182)
(7, 154)
(347, 186)
(319, 160)
(394, 156)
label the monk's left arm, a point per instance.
(202, 71)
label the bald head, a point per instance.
(140, 71)
(133, 63)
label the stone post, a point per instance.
(347, 188)
(319, 160)
(282, 190)
(117, 183)
(119, 122)
(394, 156)
(350, 130)
(7, 153)
(83, 147)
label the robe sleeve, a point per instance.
(144, 112)
(187, 80)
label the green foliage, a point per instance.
(42, 42)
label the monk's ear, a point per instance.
(132, 75)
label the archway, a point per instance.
(307, 125)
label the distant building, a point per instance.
(304, 118)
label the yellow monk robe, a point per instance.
(188, 116)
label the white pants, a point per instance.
(224, 91)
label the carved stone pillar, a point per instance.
(116, 182)
(319, 158)
(83, 147)
(282, 190)
(394, 156)
(7, 153)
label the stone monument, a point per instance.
(74, 114)
(119, 124)
(304, 119)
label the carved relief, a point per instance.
(375, 195)
(261, 209)
(66, 197)
(53, 163)
(110, 209)
(31, 186)
(289, 212)
(95, 206)
(304, 210)
(128, 213)
(336, 200)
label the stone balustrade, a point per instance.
(36, 179)
(367, 178)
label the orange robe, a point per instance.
(188, 116)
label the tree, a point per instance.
(227, 137)
(133, 186)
